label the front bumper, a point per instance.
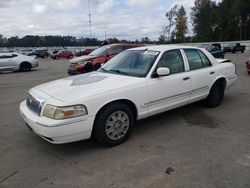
(57, 131)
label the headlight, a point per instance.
(65, 112)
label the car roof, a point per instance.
(122, 44)
(163, 48)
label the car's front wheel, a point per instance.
(113, 124)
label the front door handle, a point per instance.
(186, 78)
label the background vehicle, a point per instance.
(39, 53)
(135, 84)
(17, 62)
(218, 45)
(62, 54)
(215, 51)
(99, 56)
(86, 51)
(248, 65)
(234, 48)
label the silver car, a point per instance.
(17, 62)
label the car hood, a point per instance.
(82, 58)
(85, 85)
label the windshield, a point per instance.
(132, 63)
(99, 51)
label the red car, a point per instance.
(99, 56)
(248, 66)
(85, 51)
(62, 54)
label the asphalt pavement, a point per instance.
(192, 146)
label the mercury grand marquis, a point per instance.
(136, 84)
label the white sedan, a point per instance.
(136, 84)
(17, 62)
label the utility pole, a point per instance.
(105, 35)
(90, 32)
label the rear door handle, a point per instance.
(212, 72)
(186, 78)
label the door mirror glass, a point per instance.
(163, 71)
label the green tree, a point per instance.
(242, 9)
(203, 20)
(113, 40)
(162, 39)
(181, 28)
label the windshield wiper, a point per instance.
(118, 71)
(104, 70)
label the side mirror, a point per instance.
(163, 71)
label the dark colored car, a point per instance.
(99, 56)
(218, 45)
(86, 51)
(248, 66)
(215, 51)
(62, 54)
(234, 48)
(39, 53)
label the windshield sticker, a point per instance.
(151, 52)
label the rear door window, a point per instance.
(196, 59)
(5, 56)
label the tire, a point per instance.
(25, 66)
(242, 51)
(110, 122)
(216, 95)
(249, 72)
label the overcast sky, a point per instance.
(124, 19)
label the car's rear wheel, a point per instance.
(25, 66)
(216, 94)
(113, 124)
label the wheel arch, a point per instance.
(221, 79)
(127, 102)
(23, 62)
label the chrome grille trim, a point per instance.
(34, 105)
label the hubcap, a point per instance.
(117, 125)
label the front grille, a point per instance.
(33, 104)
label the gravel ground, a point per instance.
(204, 147)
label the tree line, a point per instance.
(228, 20)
